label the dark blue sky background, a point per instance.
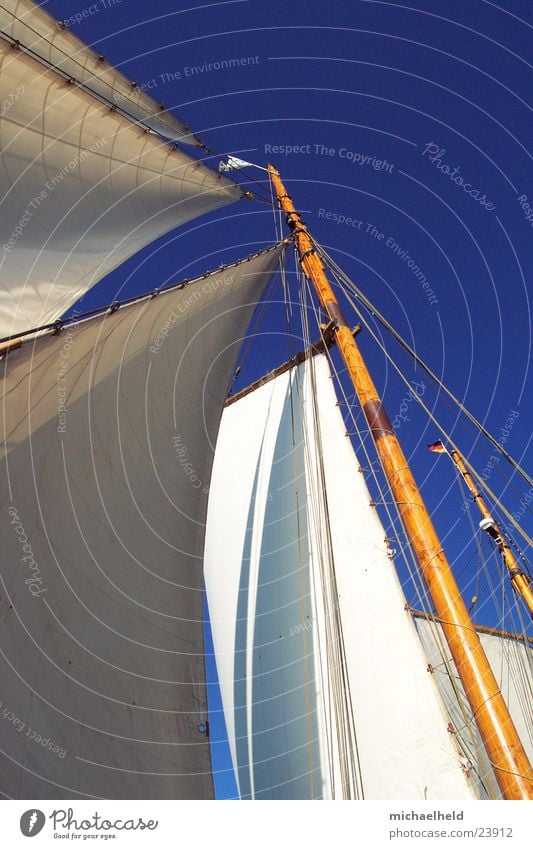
(369, 79)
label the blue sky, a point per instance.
(438, 95)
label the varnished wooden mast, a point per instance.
(499, 735)
(519, 579)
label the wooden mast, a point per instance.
(499, 735)
(519, 579)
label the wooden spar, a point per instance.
(519, 579)
(481, 629)
(317, 347)
(504, 748)
(10, 345)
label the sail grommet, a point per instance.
(113, 308)
(57, 327)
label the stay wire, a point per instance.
(404, 344)
(442, 430)
(351, 774)
(469, 743)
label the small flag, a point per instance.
(437, 447)
(233, 163)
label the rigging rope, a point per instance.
(467, 734)
(340, 275)
(481, 483)
(342, 725)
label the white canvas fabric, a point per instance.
(309, 624)
(512, 664)
(108, 436)
(51, 41)
(82, 189)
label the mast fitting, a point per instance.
(327, 331)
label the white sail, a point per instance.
(108, 435)
(35, 31)
(324, 683)
(82, 188)
(512, 662)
